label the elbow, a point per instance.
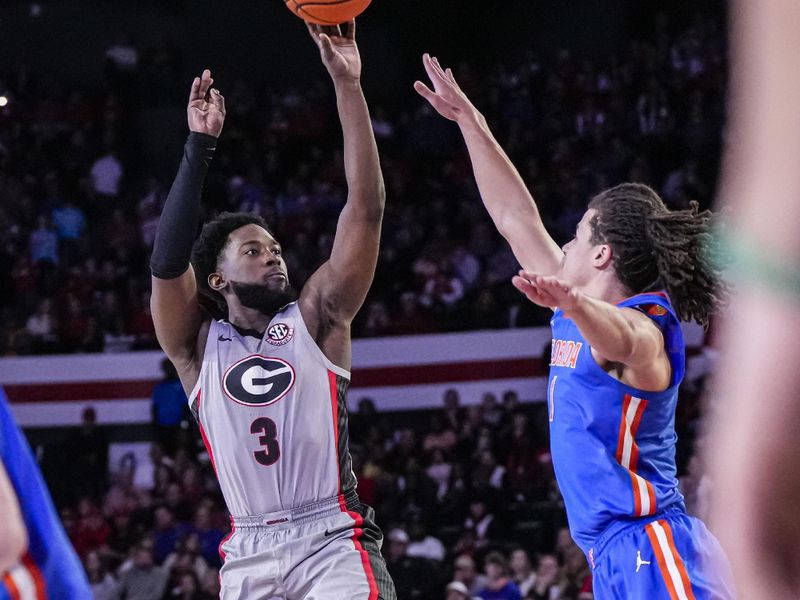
(371, 209)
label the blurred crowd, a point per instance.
(465, 495)
(83, 179)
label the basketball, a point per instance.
(327, 12)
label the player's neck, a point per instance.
(607, 288)
(248, 318)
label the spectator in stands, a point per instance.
(546, 582)
(521, 570)
(188, 588)
(169, 408)
(466, 572)
(106, 175)
(499, 585)
(104, 585)
(44, 243)
(577, 575)
(167, 533)
(187, 555)
(457, 591)
(414, 577)
(423, 544)
(144, 580)
(88, 449)
(208, 536)
(481, 522)
(42, 327)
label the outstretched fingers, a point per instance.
(424, 91)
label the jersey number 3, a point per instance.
(268, 440)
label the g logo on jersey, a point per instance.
(258, 380)
(279, 334)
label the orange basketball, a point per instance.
(327, 12)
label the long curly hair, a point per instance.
(208, 249)
(655, 248)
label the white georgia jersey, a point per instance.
(273, 417)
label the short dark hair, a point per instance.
(208, 249)
(655, 248)
(496, 558)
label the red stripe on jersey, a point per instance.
(203, 433)
(637, 419)
(36, 574)
(651, 493)
(623, 426)
(11, 587)
(637, 501)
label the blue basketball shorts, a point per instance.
(669, 556)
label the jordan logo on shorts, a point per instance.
(639, 561)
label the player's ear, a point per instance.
(602, 256)
(217, 282)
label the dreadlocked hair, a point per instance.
(208, 249)
(655, 248)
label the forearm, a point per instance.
(366, 192)
(606, 328)
(502, 189)
(507, 199)
(178, 224)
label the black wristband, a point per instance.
(178, 224)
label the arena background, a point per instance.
(425, 485)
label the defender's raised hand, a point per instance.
(446, 96)
(206, 110)
(337, 46)
(548, 291)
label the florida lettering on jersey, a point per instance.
(564, 353)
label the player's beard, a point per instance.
(261, 296)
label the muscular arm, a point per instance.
(176, 312)
(177, 315)
(13, 535)
(339, 287)
(616, 335)
(508, 201)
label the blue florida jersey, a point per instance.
(613, 446)
(50, 570)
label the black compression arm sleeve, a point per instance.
(178, 225)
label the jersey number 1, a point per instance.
(268, 439)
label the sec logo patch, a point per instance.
(258, 380)
(279, 334)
